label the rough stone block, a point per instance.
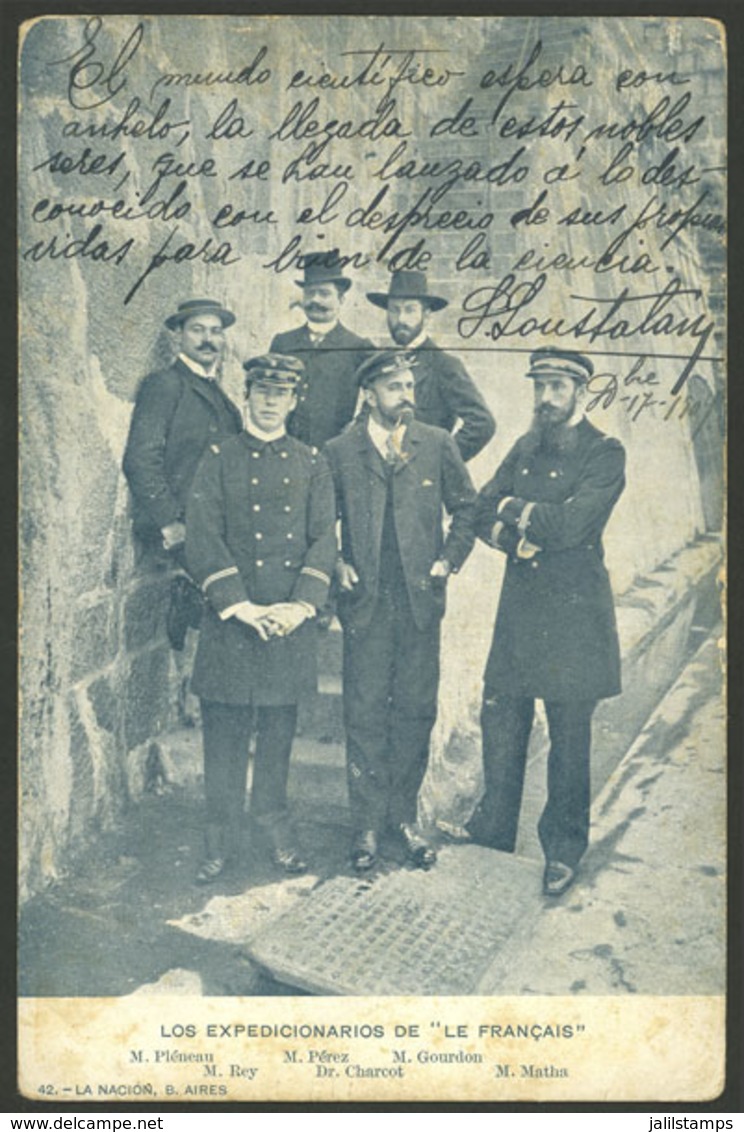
(105, 703)
(146, 696)
(94, 641)
(144, 613)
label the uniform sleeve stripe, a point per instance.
(524, 518)
(227, 573)
(315, 573)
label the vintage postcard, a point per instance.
(372, 395)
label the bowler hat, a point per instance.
(550, 361)
(408, 285)
(383, 363)
(277, 369)
(325, 267)
(193, 307)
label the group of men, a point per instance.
(344, 481)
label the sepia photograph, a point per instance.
(372, 439)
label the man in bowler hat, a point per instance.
(395, 477)
(446, 395)
(177, 412)
(327, 398)
(261, 543)
(555, 637)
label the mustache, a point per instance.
(208, 346)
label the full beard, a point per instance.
(555, 436)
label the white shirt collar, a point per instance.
(209, 373)
(380, 435)
(322, 328)
(267, 437)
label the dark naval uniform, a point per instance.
(260, 527)
(392, 533)
(445, 393)
(328, 394)
(555, 636)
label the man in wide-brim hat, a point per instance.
(331, 354)
(261, 542)
(177, 412)
(446, 395)
(555, 637)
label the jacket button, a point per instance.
(290, 535)
(534, 565)
(256, 506)
(254, 480)
(287, 562)
(287, 507)
(553, 475)
(259, 562)
(286, 479)
(525, 471)
(255, 455)
(258, 534)
(283, 455)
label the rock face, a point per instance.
(97, 677)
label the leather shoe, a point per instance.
(364, 851)
(558, 878)
(289, 860)
(210, 869)
(418, 850)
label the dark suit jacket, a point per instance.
(328, 395)
(444, 393)
(429, 479)
(176, 414)
(555, 636)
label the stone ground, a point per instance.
(646, 916)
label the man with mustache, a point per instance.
(331, 354)
(445, 394)
(394, 478)
(177, 412)
(555, 637)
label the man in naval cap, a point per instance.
(555, 637)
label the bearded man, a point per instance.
(446, 395)
(395, 480)
(555, 637)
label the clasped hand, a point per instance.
(277, 620)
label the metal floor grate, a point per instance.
(402, 932)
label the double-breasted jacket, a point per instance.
(260, 526)
(555, 636)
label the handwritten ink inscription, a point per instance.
(563, 190)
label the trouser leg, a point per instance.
(413, 712)
(368, 667)
(276, 728)
(564, 824)
(506, 722)
(226, 732)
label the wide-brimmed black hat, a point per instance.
(408, 285)
(277, 369)
(550, 361)
(383, 363)
(325, 268)
(193, 307)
